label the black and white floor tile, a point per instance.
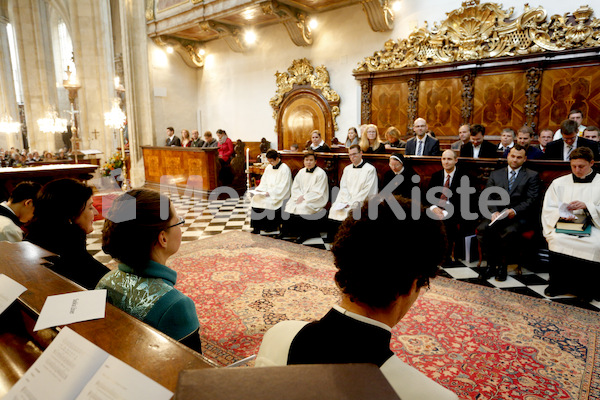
(205, 218)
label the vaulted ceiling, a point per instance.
(187, 24)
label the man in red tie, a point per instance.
(446, 203)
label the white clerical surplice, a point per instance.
(313, 187)
(277, 183)
(356, 186)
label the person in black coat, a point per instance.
(459, 220)
(63, 216)
(430, 146)
(478, 147)
(401, 187)
(499, 236)
(317, 144)
(172, 140)
(561, 149)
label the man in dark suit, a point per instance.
(477, 147)
(422, 144)
(172, 140)
(544, 137)
(561, 149)
(524, 138)
(448, 180)
(499, 236)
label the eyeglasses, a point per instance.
(181, 222)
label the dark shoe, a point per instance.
(489, 271)
(502, 273)
(551, 291)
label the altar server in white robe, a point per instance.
(272, 192)
(358, 183)
(310, 193)
(575, 261)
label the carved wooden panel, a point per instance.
(500, 101)
(440, 102)
(301, 116)
(389, 106)
(568, 88)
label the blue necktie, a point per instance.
(420, 149)
(511, 180)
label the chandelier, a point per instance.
(116, 117)
(52, 123)
(7, 125)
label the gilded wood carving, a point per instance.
(467, 97)
(477, 31)
(301, 72)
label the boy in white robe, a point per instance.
(575, 261)
(310, 193)
(273, 190)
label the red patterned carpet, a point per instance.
(480, 342)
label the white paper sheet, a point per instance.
(73, 368)
(502, 215)
(64, 309)
(339, 206)
(10, 290)
(564, 212)
(257, 192)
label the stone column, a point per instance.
(137, 84)
(91, 34)
(8, 99)
(34, 45)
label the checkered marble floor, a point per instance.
(204, 218)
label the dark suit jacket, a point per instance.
(554, 150)
(175, 141)
(533, 153)
(488, 150)
(524, 196)
(431, 147)
(437, 180)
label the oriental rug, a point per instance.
(480, 342)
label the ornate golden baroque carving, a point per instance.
(301, 73)
(476, 31)
(149, 10)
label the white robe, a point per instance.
(356, 186)
(276, 182)
(564, 190)
(9, 231)
(408, 382)
(315, 189)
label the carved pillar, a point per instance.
(413, 100)
(140, 124)
(467, 97)
(366, 90)
(534, 80)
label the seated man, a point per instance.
(358, 183)
(422, 144)
(477, 147)
(449, 178)
(310, 193)
(375, 297)
(574, 260)
(464, 137)
(592, 133)
(561, 149)
(273, 190)
(544, 138)
(499, 236)
(398, 167)
(524, 138)
(507, 141)
(18, 210)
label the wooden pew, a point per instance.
(123, 336)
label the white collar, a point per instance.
(5, 205)
(312, 146)
(361, 318)
(516, 170)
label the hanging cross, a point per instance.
(95, 133)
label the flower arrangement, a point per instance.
(116, 161)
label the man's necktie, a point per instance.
(420, 149)
(446, 186)
(569, 150)
(511, 180)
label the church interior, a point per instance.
(94, 89)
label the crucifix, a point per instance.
(95, 133)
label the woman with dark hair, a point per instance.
(63, 216)
(225, 146)
(142, 231)
(352, 137)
